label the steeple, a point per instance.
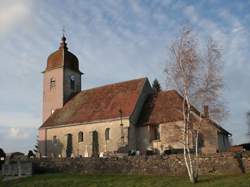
(62, 58)
(62, 79)
(63, 44)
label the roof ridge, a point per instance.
(113, 84)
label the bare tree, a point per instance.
(199, 81)
(209, 85)
(248, 124)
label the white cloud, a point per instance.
(191, 13)
(19, 119)
(12, 12)
(17, 139)
(16, 133)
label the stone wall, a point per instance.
(20, 168)
(172, 132)
(143, 138)
(220, 164)
(209, 137)
(84, 148)
(171, 135)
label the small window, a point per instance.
(52, 83)
(54, 141)
(80, 137)
(107, 134)
(154, 132)
(157, 132)
(72, 82)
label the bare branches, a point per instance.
(184, 61)
(183, 72)
(248, 124)
(199, 79)
(198, 72)
(210, 83)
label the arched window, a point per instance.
(107, 134)
(69, 146)
(54, 141)
(157, 132)
(52, 83)
(80, 137)
(72, 82)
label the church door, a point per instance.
(69, 147)
(95, 144)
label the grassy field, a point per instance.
(57, 180)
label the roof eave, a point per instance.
(82, 123)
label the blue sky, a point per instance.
(115, 40)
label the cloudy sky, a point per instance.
(115, 40)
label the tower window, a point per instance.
(72, 82)
(52, 83)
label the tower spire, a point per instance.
(63, 31)
(63, 44)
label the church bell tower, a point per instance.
(61, 79)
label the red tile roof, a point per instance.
(99, 104)
(62, 58)
(164, 107)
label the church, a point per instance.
(115, 118)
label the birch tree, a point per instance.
(210, 84)
(194, 75)
(248, 124)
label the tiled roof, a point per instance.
(164, 107)
(99, 103)
(62, 58)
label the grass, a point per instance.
(56, 180)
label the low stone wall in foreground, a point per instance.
(19, 168)
(220, 164)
